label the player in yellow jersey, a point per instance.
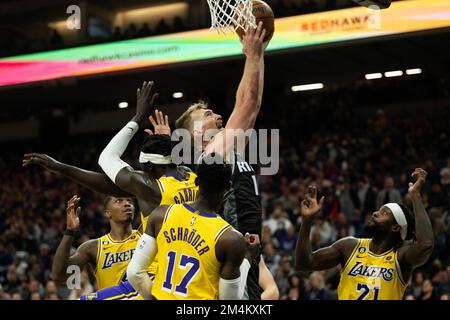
(109, 255)
(200, 255)
(378, 268)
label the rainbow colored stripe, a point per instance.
(299, 31)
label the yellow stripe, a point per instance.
(221, 232)
(166, 215)
(353, 253)
(123, 295)
(160, 185)
(97, 258)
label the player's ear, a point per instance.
(396, 228)
(108, 214)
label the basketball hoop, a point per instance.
(231, 14)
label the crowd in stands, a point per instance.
(357, 161)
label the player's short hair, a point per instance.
(106, 201)
(213, 178)
(410, 220)
(158, 144)
(185, 120)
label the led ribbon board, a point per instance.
(291, 32)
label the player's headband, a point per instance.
(399, 216)
(154, 158)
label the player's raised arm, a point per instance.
(96, 181)
(249, 93)
(325, 258)
(120, 172)
(145, 253)
(85, 254)
(419, 251)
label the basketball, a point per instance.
(262, 12)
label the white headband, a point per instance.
(399, 216)
(154, 158)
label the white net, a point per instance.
(231, 14)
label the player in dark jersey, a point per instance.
(241, 206)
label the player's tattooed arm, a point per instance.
(324, 258)
(95, 181)
(86, 253)
(419, 251)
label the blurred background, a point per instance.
(381, 108)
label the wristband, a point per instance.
(69, 232)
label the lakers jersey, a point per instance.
(188, 267)
(174, 190)
(369, 276)
(113, 257)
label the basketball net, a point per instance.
(231, 14)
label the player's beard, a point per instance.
(375, 230)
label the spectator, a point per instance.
(388, 194)
(144, 31)
(288, 240)
(428, 292)
(162, 27)
(322, 233)
(316, 290)
(131, 32)
(296, 288)
(366, 196)
(278, 221)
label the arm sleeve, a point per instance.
(109, 159)
(234, 289)
(137, 268)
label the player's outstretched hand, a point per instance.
(310, 207)
(419, 175)
(252, 42)
(161, 125)
(73, 213)
(253, 246)
(145, 102)
(42, 160)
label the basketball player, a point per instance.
(108, 255)
(171, 185)
(201, 256)
(378, 268)
(241, 206)
(166, 183)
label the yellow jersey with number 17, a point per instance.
(369, 276)
(173, 190)
(188, 268)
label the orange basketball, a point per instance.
(262, 12)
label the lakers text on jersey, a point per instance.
(113, 257)
(368, 276)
